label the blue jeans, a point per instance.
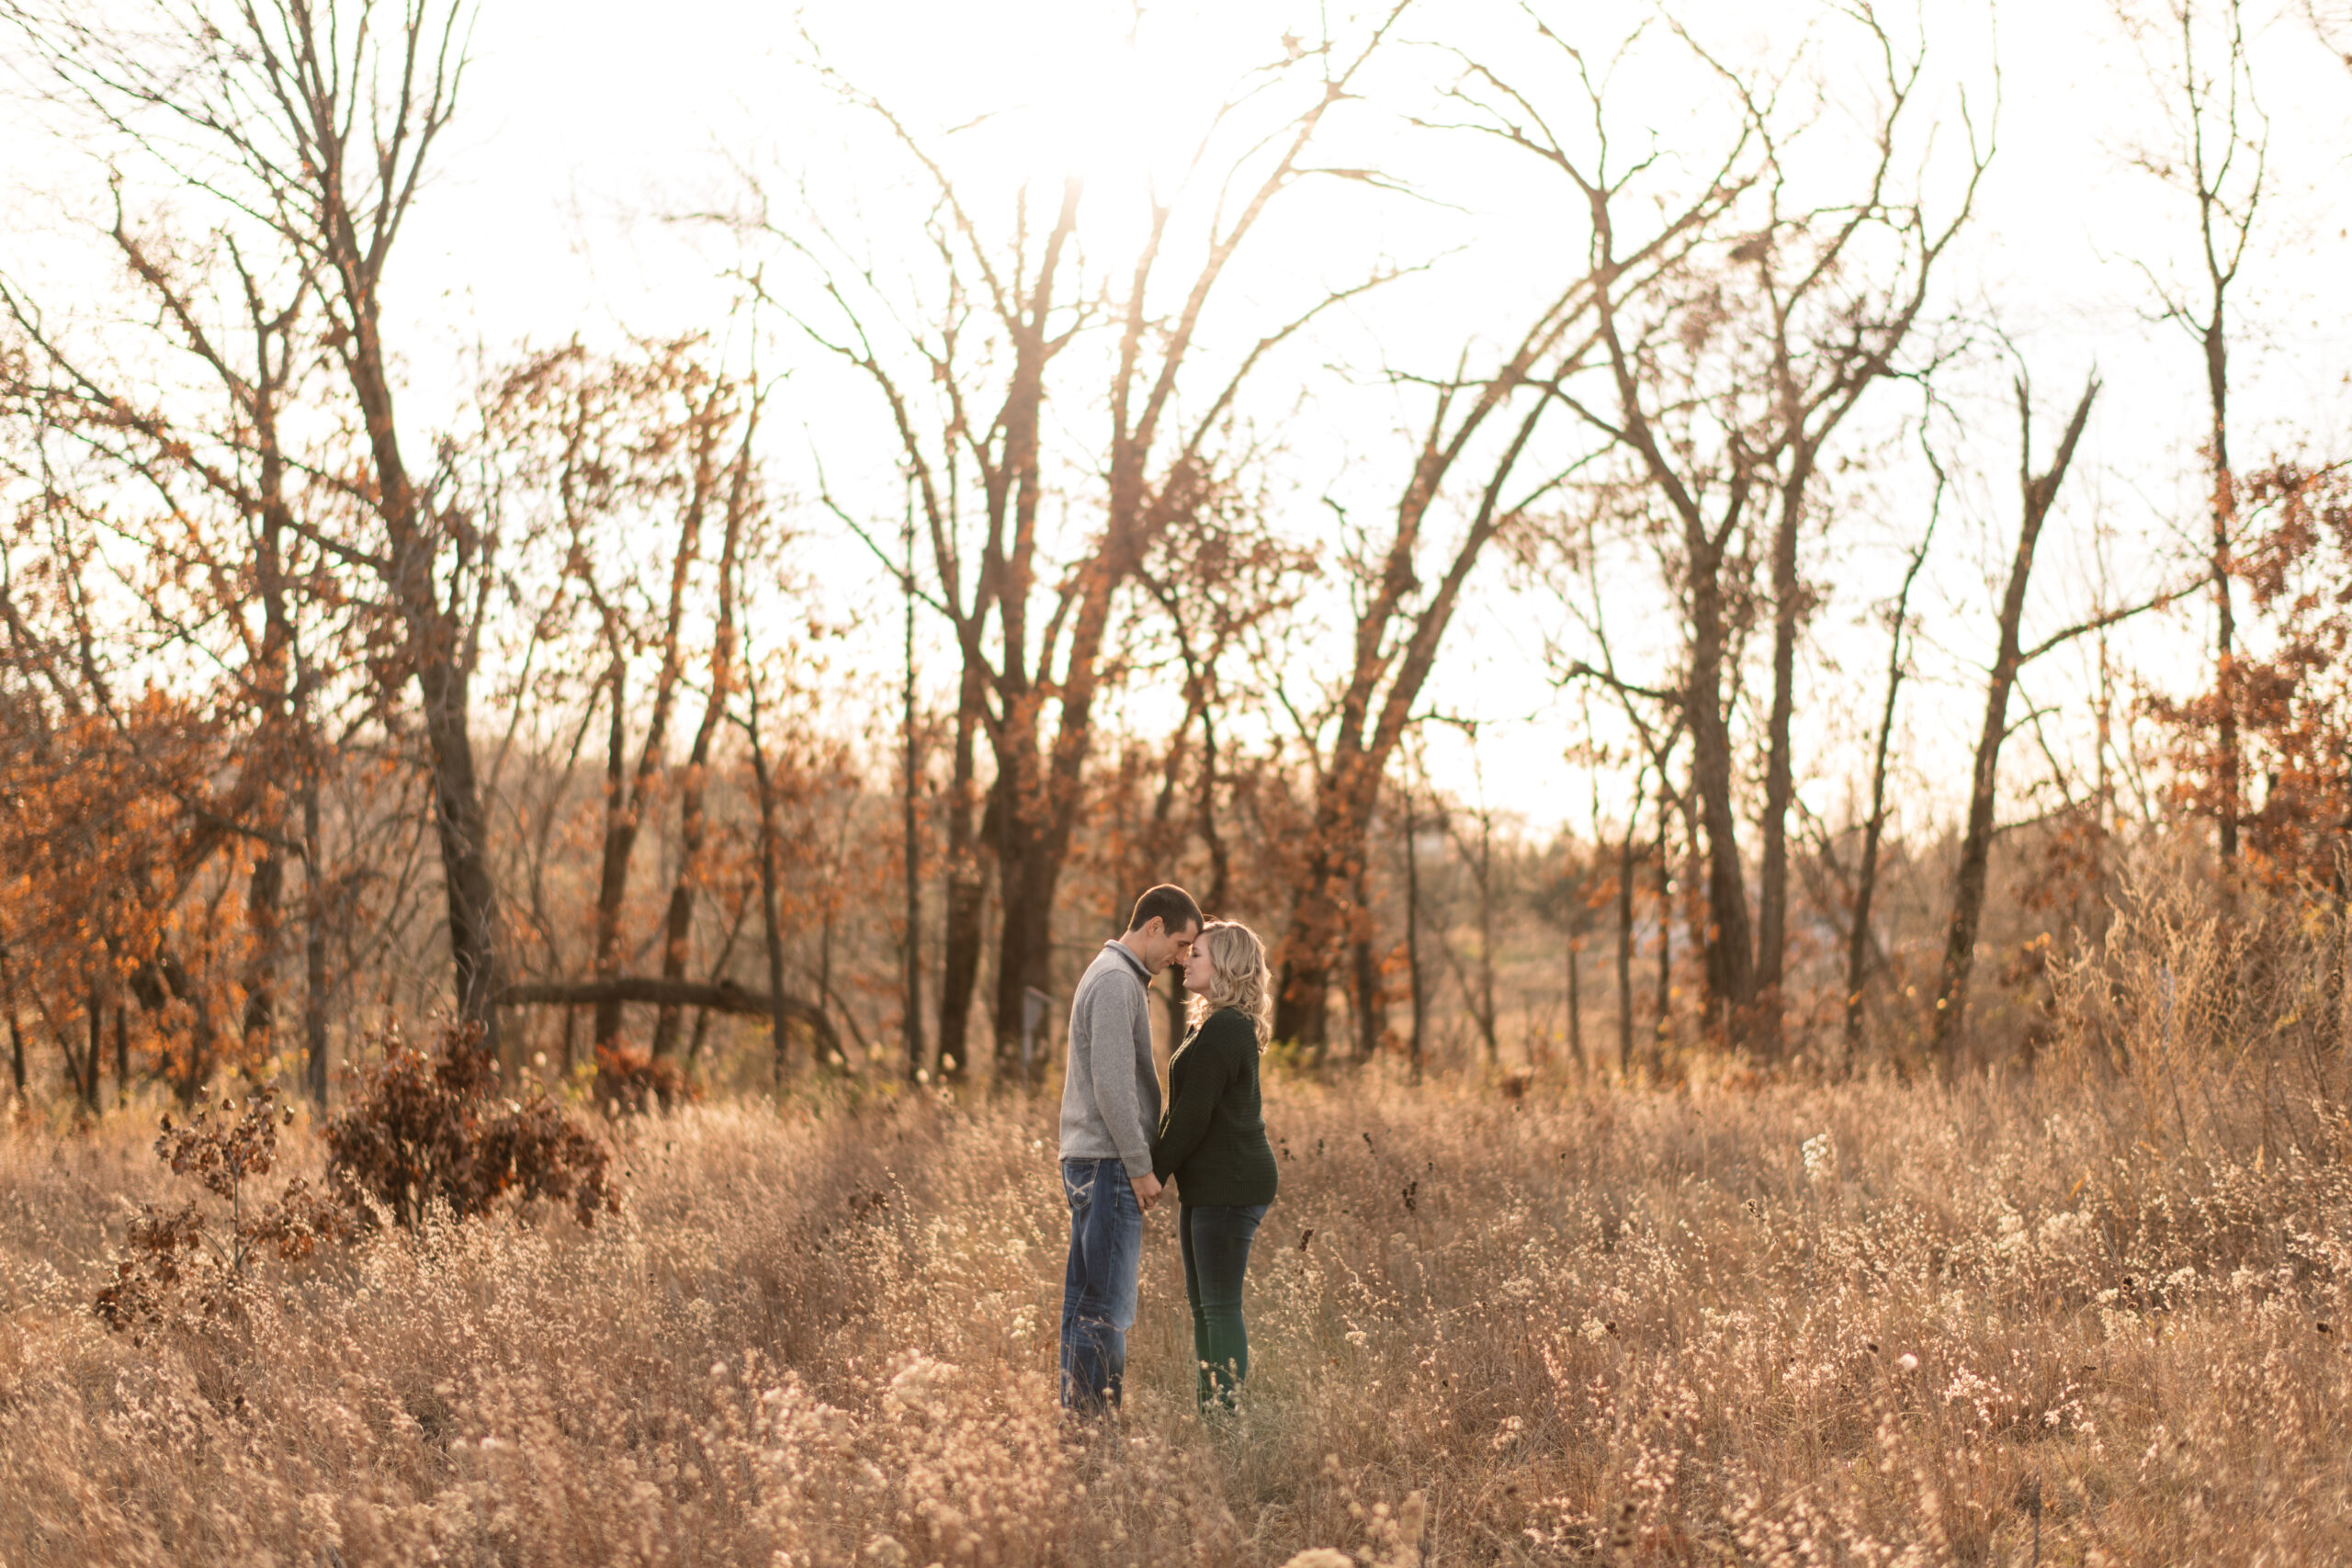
(1099, 1287)
(1215, 1239)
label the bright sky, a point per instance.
(586, 124)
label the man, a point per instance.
(1110, 1106)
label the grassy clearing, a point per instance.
(1867, 1322)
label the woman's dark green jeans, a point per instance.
(1215, 1241)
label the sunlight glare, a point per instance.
(1115, 105)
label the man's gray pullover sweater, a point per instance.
(1111, 1095)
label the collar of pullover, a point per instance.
(1120, 948)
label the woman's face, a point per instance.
(1198, 974)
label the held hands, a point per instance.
(1147, 1190)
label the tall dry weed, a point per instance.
(2222, 1028)
(1868, 1323)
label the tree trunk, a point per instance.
(913, 851)
(693, 788)
(1489, 1024)
(1368, 1013)
(88, 1086)
(1665, 929)
(1371, 1017)
(1857, 939)
(1772, 891)
(771, 927)
(436, 653)
(264, 896)
(17, 1067)
(1163, 842)
(433, 644)
(1317, 924)
(1625, 942)
(460, 826)
(1303, 1007)
(2225, 508)
(1138, 509)
(1204, 819)
(461, 833)
(1977, 843)
(314, 949)
(966, 895)
(1730, 975)
(322, 127)
(620, 836)
(74, 1071)
(1413, 932)
(157, 985)
(1029, 873)
(959, 966)
(1324, 916)
(1176, 1002)
(278, 701)
(1576, 1006)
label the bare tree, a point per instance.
(1416, 1045)
(312, 133)
(2332, 20)
(1625, 867)
(741, 508)
(964, 385)
(16, 1025)
(2038, 492)
(1398, 630)
(631, 456)
(2219, 154)
(1476, 978)
(1568, 899)
(910, 824)
(1725, 379)
(1407, 603)
(640, 464)
(1212, 586)
(1860, 945)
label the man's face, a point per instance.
(1160, 949)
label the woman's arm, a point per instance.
(1208, 1068)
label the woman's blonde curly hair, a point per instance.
(1239, 977)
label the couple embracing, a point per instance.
(1118, 1146)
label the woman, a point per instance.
(1211, 1145)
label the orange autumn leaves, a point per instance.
(121, 899)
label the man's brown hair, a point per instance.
(1170, 905)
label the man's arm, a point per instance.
(1111, 1043)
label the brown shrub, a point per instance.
(429, 1126)
(186, 1263)
(631, 1079)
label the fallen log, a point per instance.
(719, 995)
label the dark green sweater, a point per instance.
(1212, 1139)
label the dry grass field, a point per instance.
(1874, 1322)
